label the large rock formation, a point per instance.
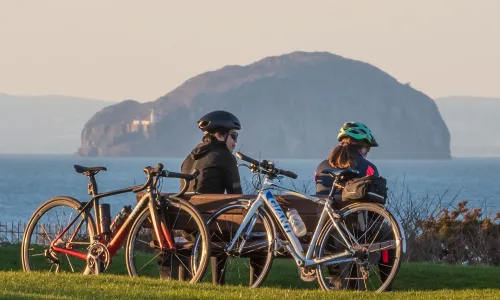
(290, 106)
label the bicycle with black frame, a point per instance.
(62, 235)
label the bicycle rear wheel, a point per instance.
(187, 262)
(48, 221)
(378, 235)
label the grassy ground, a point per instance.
(420, 281)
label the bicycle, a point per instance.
(344, 249)
(160, 231)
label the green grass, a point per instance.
(421, 281)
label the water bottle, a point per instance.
(120, 217)
(104, 211)
(298, 226)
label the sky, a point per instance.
(117, 50)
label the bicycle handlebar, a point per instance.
(187, 177)
(268, 167)
(247, 159)
(159, 172)
(287, 173)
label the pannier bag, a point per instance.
(367, 189)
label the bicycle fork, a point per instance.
(250, 220)
(163, 236)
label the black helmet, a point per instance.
(219, 121)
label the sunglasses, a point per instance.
(234, 135)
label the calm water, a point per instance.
(27, 181)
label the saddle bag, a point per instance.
(366, 189)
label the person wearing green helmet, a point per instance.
(355, 141)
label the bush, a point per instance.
(438, 232)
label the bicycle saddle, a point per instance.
(349, 173)
(81, 169)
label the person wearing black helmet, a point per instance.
(218, 168)
(213, 156)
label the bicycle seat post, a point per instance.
(92, 186)
(333, 190)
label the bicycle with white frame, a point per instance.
(356, 247)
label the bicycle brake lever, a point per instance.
(243, 165)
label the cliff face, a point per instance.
(290, 106)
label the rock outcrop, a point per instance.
(290, 106)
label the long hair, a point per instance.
(210, 137)
(344, 155)
(207, 138)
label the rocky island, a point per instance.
(290, 106)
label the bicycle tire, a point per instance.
(42, 210)
(332, 282)
(142, 223)
(253, 280)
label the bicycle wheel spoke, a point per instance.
(142, 248)
(43, 229)
(156, 256)
(70, 264)
(375, 232)
(234, 268)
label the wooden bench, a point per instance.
(207, 204)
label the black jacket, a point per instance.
(324, 182)
(218, 169)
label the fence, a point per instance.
(12, 232)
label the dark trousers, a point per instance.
(219, 268)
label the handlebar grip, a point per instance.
(247, 159)
(187, 177)
(138, 189)
(158, 168)
(288, 174)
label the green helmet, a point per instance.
(358, 132)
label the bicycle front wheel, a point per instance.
(379, 251)
(187, 261)
(252, 256)
(48, 221)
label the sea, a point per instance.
(26, 181)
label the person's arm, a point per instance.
(371, 170)
(232, 181)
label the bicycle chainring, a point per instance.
(98, 258)
(307, 274)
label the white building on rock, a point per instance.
(145, 124)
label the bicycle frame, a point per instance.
(265, 197)
(161, 232)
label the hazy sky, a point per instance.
(116, 50)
